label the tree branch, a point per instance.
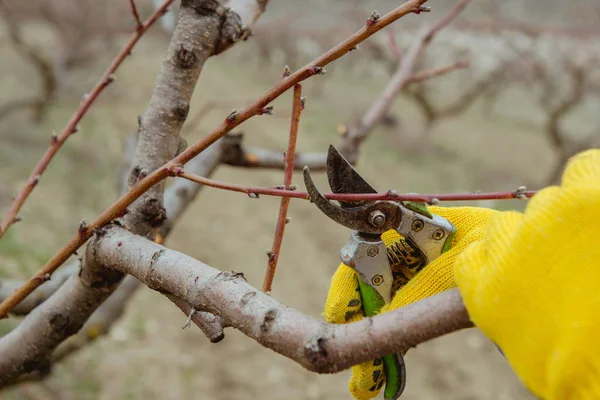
(316, 345)
(29, 346)
(237, 155)
(39, 295)
(253, 192)
(230, 123)
(297, 107)
(211, 325)
(398, 82)
(72, 127)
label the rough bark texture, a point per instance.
(181, 193)
(200, 27)
(28, 347)
(195, 39)
(41, 294)
(314, 344)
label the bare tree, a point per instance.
(123, 245)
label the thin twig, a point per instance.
(433, 72)
(211, 325)
(298, 106)
(398, 82)
(254, 192)
(136, 15)
(117, 208)
(72, 127)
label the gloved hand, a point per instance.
(532, 285)
(344, 302)
(528, 281)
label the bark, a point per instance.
(237, 155)
(41, 294)
(201, 25)
(195, 39)
(28, 347)
(314, 344)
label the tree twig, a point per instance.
(136, 16)
(273, 255)
(254, 192)
(72, 127)
(235, 119)
(398, 82)
(42, 293)
(209, 324)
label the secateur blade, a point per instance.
(371, 217)
(343, 178)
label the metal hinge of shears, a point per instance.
(424, 234)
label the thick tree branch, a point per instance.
(184, 61)
(195, 39)
(41, 294)
(196, 35)
(230, 123)
(29, 346)
(72, 127)
(237, 155)
(314, 344)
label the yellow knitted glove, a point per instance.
(344, 303)
(533, 285)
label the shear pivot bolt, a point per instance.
(417, 225)
(372, 251)
(438, 234)
(377, 280)
(377, 218)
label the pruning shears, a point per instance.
(424, 237)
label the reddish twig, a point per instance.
(254, 192)
(72, 127)
(287, 182)
(136, 15)
(231, 122)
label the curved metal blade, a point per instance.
(355, 218)
(343, 178)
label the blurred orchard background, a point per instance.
(528, 99)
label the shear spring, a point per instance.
(405, 253)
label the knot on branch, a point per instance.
(230, 32)
(268, 320)
(152, 212)
(40, 365)
(203, 7)
(185, 57)
(316, 354)
(104, 279)
(181, 110)
(59, 322)
(230, 276)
